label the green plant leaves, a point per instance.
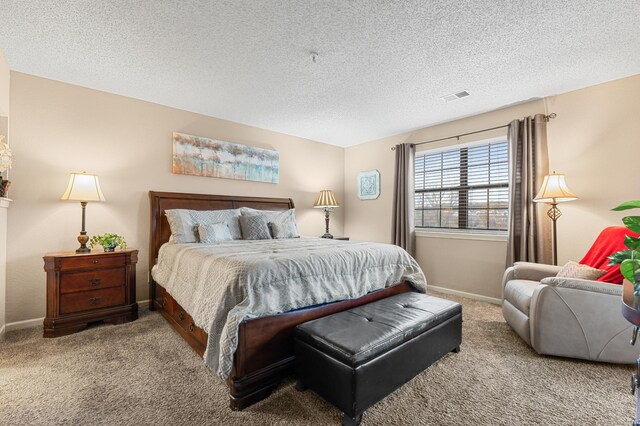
(632, 222)
(629, 260)
(631, 243)
(108, 240)
(627, 205)
(619, 257)
(628, 269)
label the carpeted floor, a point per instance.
(143, 373)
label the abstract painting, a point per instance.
(195, 155)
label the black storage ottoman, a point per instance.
(355, 358)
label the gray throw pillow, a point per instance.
(214, 233)
(254, 228)
(284, 229)
(281, 218)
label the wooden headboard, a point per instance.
(161, 201)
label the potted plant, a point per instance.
(6, 158)
(109, 242)
(629, 260)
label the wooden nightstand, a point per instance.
(86, 288)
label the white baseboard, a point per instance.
(19, 325)
(480, 297)
(144, 304)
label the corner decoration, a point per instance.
(198, 156)
(369, 185)
(6, 159)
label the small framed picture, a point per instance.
(369, 185)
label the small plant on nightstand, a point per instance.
(109, 242)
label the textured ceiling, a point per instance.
(382, 65)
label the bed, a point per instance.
(264, 353)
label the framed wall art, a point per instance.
(369, 185)
(198, 156)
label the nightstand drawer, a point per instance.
(88, 261)
(89, 300)
(86, 288)
(91, 280)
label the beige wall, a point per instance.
(58, 128)
(596, 141)
(3, 258)
(4, 112)
(595, 130)
(473, 266)
(4, 86)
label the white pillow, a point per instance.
(184, 223)
(214, 233)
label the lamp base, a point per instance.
(327, 213)
(554, 214)
(83, 239)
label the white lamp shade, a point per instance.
(326, 199)
(83, 187)
(554, 190)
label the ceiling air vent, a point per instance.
(454, 96)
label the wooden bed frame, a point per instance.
(265, 345)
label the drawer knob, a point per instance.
(94, 300)
(192, 326)
(181, 316)
(95, 261)
(94, 281)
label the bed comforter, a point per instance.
(220, 285)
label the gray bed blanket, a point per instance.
(220, 285)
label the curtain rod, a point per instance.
(546, 118)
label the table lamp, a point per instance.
(554, 190)
(83, 187)
(327, 201)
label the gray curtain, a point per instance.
(403, 231)
(529, 227)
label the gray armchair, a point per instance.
(565, 316)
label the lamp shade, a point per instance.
(326, 199)
(554, 190)
(83, 187)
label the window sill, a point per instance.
(479, 236)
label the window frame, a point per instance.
(463, 189)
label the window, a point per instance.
(463, 188)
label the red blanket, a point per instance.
(609, 241)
